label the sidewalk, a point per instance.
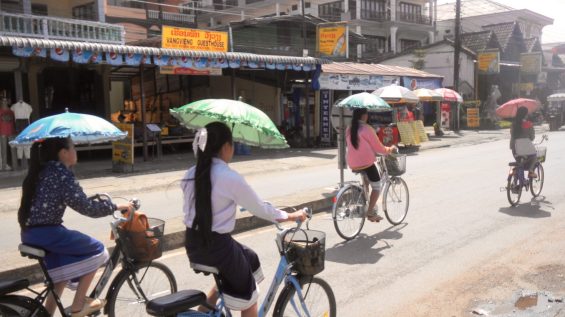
(96, 176)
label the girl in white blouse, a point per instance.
(212, 191)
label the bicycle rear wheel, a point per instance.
(536, 184)
(20, 306)
(349, 211)
(514, 188)
(396, 200)
(131, 290)
(318, 297)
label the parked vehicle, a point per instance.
(556, 111)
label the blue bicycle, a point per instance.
(302, 254)
(517, 180)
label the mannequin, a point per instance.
(22, 112)
(6, 130)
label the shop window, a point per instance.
(85, 12)
(408, 44)
(39, 9)
(331, 11)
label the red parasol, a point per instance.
(508, 110)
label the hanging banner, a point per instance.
(133, 59)
(325, 109)
(164, 60)
(307, 67)
(85, 57)
(489, 62)
(331, 39)
(176, 70)
(29, 51)
(350, 82)
(530, 63)
(296, 67)
(200, 62)
(234, 63)
(194, 39)
(115, 59)
(59, 54)
(416, 82)
(219, 63)
(184, 61)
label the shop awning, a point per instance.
(375, 69)
(129, 49)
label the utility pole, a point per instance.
(457, 45)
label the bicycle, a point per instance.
(301, 258)
(516, 180)
(350, 204)
(136, 283)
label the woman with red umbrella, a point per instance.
(521, 136)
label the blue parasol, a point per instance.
(82, 128)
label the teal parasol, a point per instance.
(249, 125)
(365, 100)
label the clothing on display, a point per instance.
(6, 130)
(22, 112)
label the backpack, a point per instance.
(141, 241)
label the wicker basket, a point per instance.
(541, 151)
(306, 249)
(395, 164)
(144, 246)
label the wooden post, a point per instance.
(143, 118)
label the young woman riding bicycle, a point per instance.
(212, 191)
(363, 145)
(47, 190)
(521, 136)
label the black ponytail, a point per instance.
(218, 134)
(357, 113)
(517, 122)
(40, 153)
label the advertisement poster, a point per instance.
(332, 39)
(530, 63)
(473, 120)
(85, 57)
(59, 54)
(177, 70)
(325, 108)
(489, 62)
(122, 150)
(115, 59)
(29, 51)
(350, 82)
(194, 39)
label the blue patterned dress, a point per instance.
(70, 253)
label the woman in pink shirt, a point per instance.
(362, 147)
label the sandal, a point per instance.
(532, 175)
(91, 305)
(374, 218)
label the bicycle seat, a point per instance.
(31, 252)
(513, 164)
(172, 304)
(10, 286)
(205, 269)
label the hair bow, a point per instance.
(200, 140)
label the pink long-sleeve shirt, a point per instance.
(368, 147)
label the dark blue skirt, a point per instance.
(70, 254)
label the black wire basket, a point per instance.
(144, 246)
(395, 164)
(306, 250)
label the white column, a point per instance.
(101, 10)
(393, 30)
(358, 9)
(345, 6)
(26, 4)
(393, 10)
(432, 36)
(431, 10)
(359, 46)
(277, 9)
(18, 82)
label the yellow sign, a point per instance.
(489, 62)
(332, 40)
(530, 63)
(473, 119)
(122, 150)
(194, 39)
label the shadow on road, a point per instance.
(536, 208)
(360, 250)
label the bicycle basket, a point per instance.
(395, 164)
(541, 151)
(146, 245)
(306, 249)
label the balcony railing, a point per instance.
(60, 29)
(379, 16)
(413, 18)
(170, 16)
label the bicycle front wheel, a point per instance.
(396, 200)
(319, 299)
(536, 184)
(349, 211)
(135, 288)
(18, 306)
(514, 188)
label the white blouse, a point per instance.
(229, 189)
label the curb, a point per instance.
(172, 240)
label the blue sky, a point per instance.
(550, 8)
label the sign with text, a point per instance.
(530, 63)
(325, 108)
(194, 39)
(176, 70)
(473, 120)
(122, 150)
(489, 62)
(332, 39)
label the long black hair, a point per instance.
(218, 135)
(357, 113)
(40, 154)
(521, 113)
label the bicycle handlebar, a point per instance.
(134, 201)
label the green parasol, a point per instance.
(249, 125)
(365, 100)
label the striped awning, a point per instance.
(127, 49)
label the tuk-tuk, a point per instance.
(556, 111)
